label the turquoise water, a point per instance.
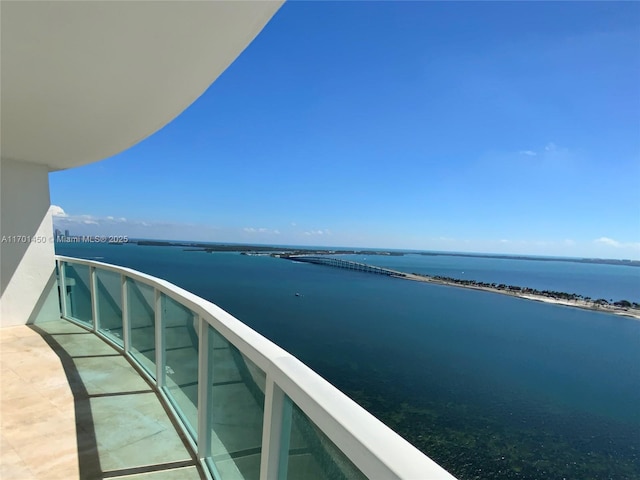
(489, 386)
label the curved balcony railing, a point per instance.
(249, 409)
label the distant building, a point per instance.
(57, 233)
(66, 233)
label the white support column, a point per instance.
(205, 383)
(93, 283)
(28, 287)
(126, 324)
(276, 430)
(160, 359)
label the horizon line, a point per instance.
(408, 250)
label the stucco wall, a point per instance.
(27, 266)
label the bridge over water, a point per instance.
(346, 264)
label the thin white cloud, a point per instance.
(261, 230)
(608, 241)
(112, 225)
(549, 156)
(112, 219)
(557, 153)
(63, 219)
(551, 149)
(326, 231)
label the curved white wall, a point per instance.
(82, 81)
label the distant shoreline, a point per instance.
(577, 303)
(567, 300)
(598, 261)
(620, 307)
(210, 248)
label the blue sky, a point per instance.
(472, 126)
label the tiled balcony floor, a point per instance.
(72, 407)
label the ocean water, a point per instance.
(487, 385)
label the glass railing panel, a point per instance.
(311, 454)
(237, 410)
(181, 360)
(141, 299)
(78, 293)
(109, 298)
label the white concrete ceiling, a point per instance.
(82, 81)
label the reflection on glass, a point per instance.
(237, 403)
(78, 293)
(181, 360)
(109, 293)
(142, 320)
(312, 455)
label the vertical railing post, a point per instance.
(93, 285)
(62, 278)
(285, 437)
(276, 430)
(205, 385)
(126, 324)
(159, 331)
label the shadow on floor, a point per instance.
(122, 428)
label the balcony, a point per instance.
(152, 380)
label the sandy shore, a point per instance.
(585, 305)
